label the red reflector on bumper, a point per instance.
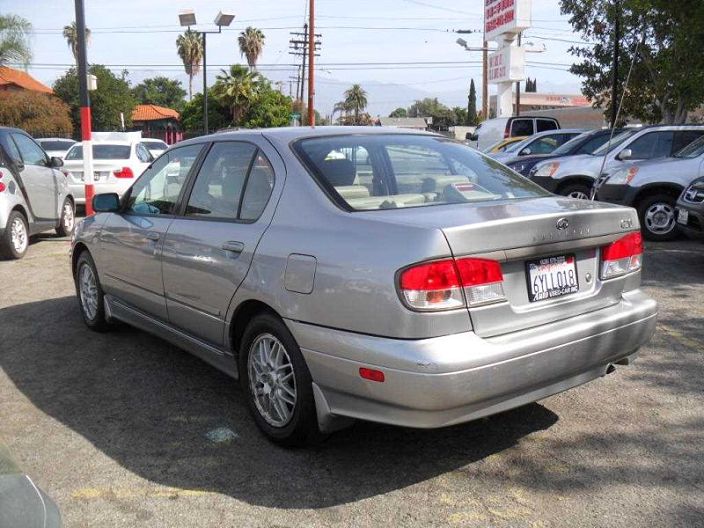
(371, 374)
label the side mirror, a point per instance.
(472, 136)
(525, 152)
(55, 162)
(106, 203)
(624, 154)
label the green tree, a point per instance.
(443, 117)
(238, 90)
(355, 101)
(668, 75)
(190, 48)
(251, 44)
(112, 97)
(14, 40)
(161, 91)
(271, 109)
(38, 113)
(399, 112)
(71, 35)
(192, 114)
(472, 118)
(460, 116)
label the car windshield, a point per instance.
(101, 152)
(615, 142)
(511, 147)
(693, 150)
(392, 171)
(49, 144)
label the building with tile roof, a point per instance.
(12, 79)
(157, 122)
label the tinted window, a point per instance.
(101, 152)
(522, 127)
(615, 142)
(652, 145)
(547, 144)
(694, 149)
(220, 181)
(54, 144)
(155, 144)
(590, 146)
(684, 138)
(409, 171)
(543, 125)
(157, 190)
(260, 183)
(32, 154)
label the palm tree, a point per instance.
(190, 49)
(71, 36)
(355, 101)
(251, 42)
(238, 89)
(14, 39)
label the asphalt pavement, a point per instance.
(123, 429)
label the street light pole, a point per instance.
(311, 64)
(84, 96)
(205, 87)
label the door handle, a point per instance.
(152, 235)
(233, 246)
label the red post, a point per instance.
(86, 139)
(311, 62)
(84, 96)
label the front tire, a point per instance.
(277, 383)
(657, 217)
(67, 222)
(90, 294)
(576, 190)
(15, 239)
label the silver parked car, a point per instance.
(348, 273)
(34, 194)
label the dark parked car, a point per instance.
(690, 210)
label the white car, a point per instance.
(116, 165)
(155, 146)
(56, 147)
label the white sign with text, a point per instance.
(507, 65)
(506, 16)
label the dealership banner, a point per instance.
(506, 16)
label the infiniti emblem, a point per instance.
(562, 224)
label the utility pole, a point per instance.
(617, 46)
(311, 65)
(518, 84)
(305, 45)
(84, 96)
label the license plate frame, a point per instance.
(551, 285)
(682, 216)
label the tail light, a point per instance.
(623, 256)
(125, 172)
(2, 185)
(451, 283)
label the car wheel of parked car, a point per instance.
(90, 294)
(278, 386)
(68, 219)
(15, 240)
(657, 217)
(576, 190)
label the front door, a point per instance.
(38, 179)
(208, 250)
(133, 239)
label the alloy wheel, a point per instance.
(18, 235)
(69, 217)
(579, 195)
(660, 218)
(271, 380)
(88, 289)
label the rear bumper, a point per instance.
(457, 378)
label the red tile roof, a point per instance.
(150, 112)
(10, 77)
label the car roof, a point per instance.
(54, 139)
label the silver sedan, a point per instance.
(362, 273)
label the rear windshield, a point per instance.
(55, 145)
(692, 150)
(101, 152)
(398, 171)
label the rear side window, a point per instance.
(543, 125)
(408, 171)
(652, 145)
(684, 138)
(522, 127)
(55, 144)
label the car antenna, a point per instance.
(613, 128)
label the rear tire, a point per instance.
(15, 239)
(91, 300)
(67, 222)
(576, 190)
(657, 217)
(277, 383)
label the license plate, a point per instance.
(552, 277)
(682, 216)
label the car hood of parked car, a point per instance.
(578, 165)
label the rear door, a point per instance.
(683, 138)
(208, 249)
(132, 240)
(38, 179)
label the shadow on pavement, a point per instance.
(148, 406)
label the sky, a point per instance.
(140, 35)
